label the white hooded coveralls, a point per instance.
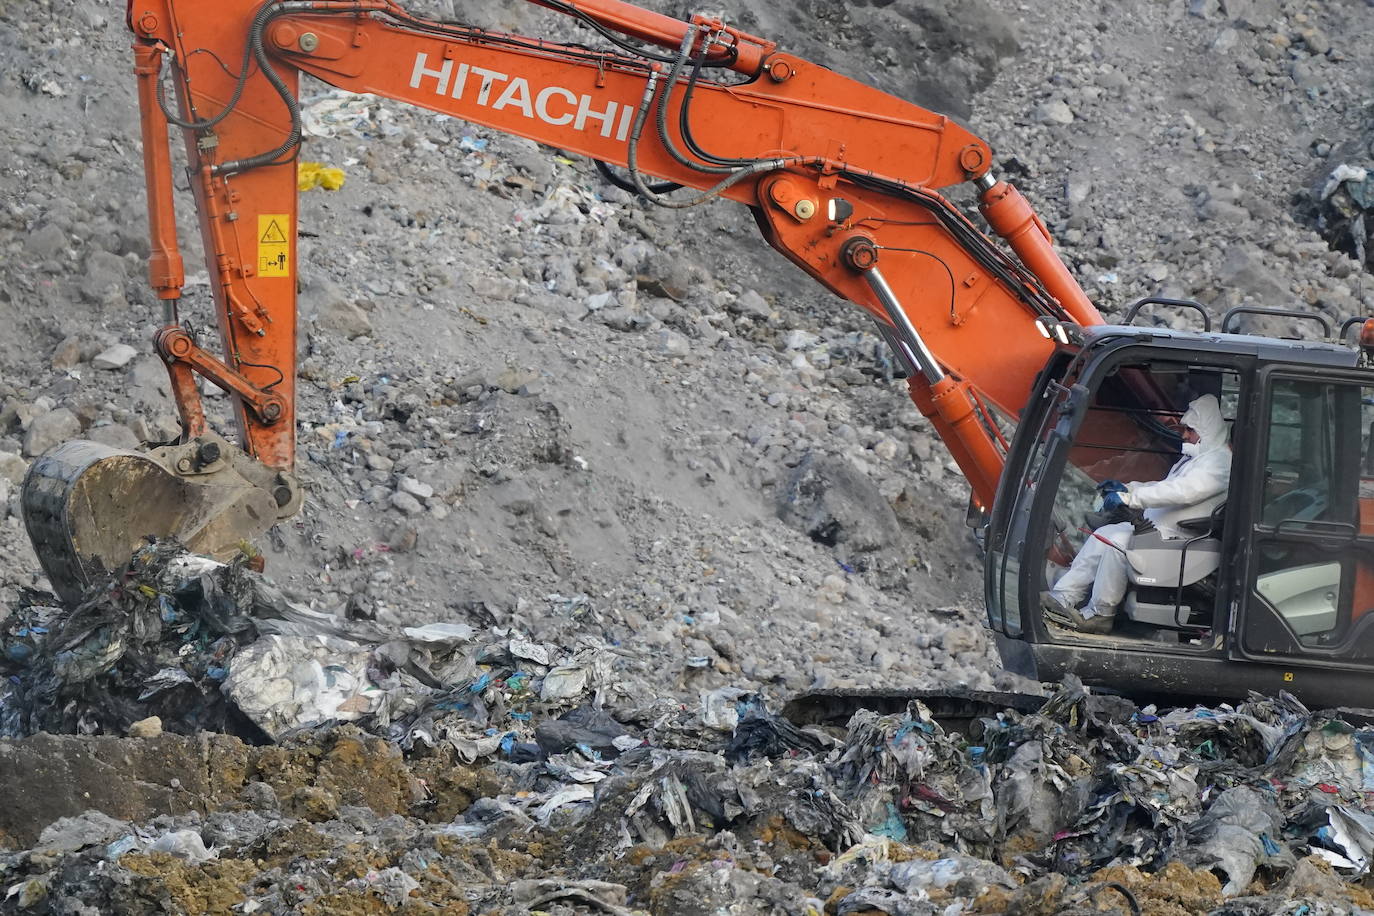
(1202, 473)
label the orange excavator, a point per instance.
(1037, 399)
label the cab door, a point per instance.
(1308, 598)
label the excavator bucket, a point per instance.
(88, 507)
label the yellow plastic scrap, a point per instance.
(318, 175)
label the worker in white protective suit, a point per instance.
(1101, 564)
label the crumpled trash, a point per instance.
(286, 682)
(760, 732)
(1345, 838)
(340, 111)
(564, 205)
(1343, 205)
(184, 844)
(107, 663)
(311, 175)
(392, 884)
(908, 813)
(562, 798)
(588, 729)
(885, 900)
(446, 634)
(599, 895)
(1241, 831)
(923, 874)
(720, 708)
(27, 893)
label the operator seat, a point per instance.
(1171, 564)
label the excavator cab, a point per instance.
(1269, 587)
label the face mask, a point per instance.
(1191, 449)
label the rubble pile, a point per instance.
(448, 768)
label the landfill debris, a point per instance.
(205, 645)
(1344, 203)
(340, 111)
(515, 775)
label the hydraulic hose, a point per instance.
(265, 14)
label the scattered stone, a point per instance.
(67, 355)
(406, 503)
(1054, 111)
(49, 430)
(150, 727)
(347, 318)
(1076, 190)
(46, 242)
(837, 505)
(12, 467)
(752, 305)
(598, 301)
(1226, 40)
(501, 289)
(673, 343)
(512, 379)
(415, 488)
(116, 357)
(623, 319)
(104, 281)
(115, 435)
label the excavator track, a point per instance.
(955, 710)
(87, 507)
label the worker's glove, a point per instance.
(1111, 491)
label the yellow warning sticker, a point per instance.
(274, 245)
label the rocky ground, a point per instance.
(762, 508)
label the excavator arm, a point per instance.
(842, 179)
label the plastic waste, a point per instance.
(922, 874)
(570, 795)
(1241, 831)
(719, 708)
(288, 682)
(604, 896)
(912, 812)
(587, 729)
(1343, 210)
(184, 844)
(1346, 839)
(760, 732)
(90, 828)
(339, 111)
(443, 634)
(393, 885)
(311, 175)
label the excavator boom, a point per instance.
(843, 180)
